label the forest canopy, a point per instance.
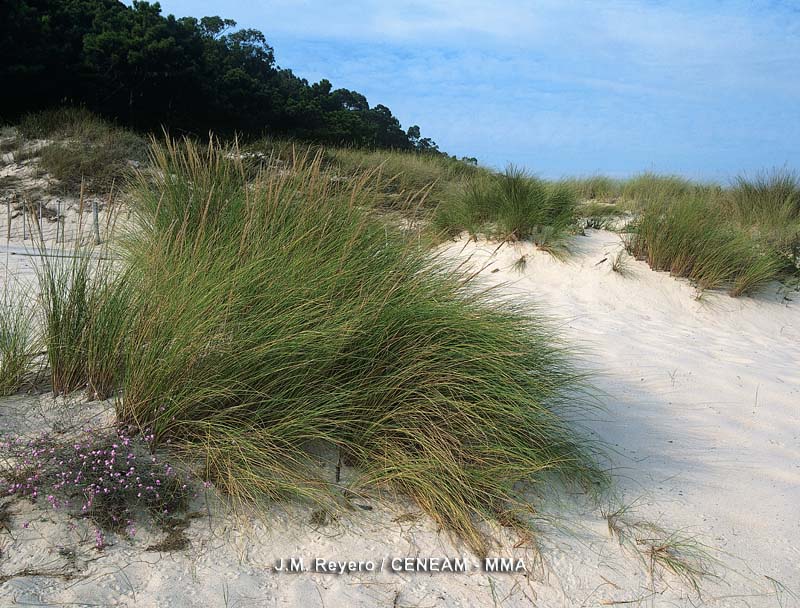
(147, 70)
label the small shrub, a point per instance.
(109, 475)
(97, 163)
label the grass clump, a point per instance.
(690, 238)
(650, 187)
(17, 342)
(511, 206)
(62, 122)
(769, 198)
(65, 283)
(530, 208)
(594, 188)
(769, 206)
(469, 206)
(85, 306)
(402, 179)
(278, 315)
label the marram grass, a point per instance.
(510, 206)
(277, 314)
(18, 342)
(84, 311)
(690, 238)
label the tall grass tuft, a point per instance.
(278, 315)
(110, 304)
(85, 309)
(530, 208)
(650, 187)
(769, 206)
(690, 238)
(17, 342)
(468, 206)
(594, 188)
(513, 205)
(64, 283)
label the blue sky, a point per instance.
(706, 89)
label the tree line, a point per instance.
(146, 70)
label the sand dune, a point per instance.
(700, 419)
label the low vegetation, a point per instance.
(511, 206)
(404, 180)
(85, 307)
(280, 315)
(689, 238)
(84, 151)
(17, 342)
(108, 475)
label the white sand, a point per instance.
(702, 417)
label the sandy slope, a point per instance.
(703, 396)
(702, 418)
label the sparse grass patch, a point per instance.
(278, 314)
(84, 147)
(24, 151)
(9, 144)
(677, 553)
(621, 263)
